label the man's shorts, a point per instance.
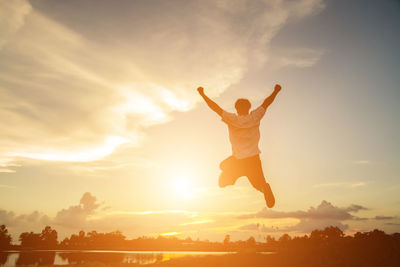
(233, 168)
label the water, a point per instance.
(47, 257)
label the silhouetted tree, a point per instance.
(270, 240)
(48, 237)
(30, 240)
(284, 239)
(5, 237)
(251, 242)
(188, 239)
(329, 233)
(227, 240)
(95, 240)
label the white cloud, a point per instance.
(65, 90)
(89, 154)
(341, 184)
(300, 58)
(12, 18)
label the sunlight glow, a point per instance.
(198, 222)
(170, 233)
(96, 153)
(182, 188)
(159, 212)
(150, 212)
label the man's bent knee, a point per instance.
(226, 163)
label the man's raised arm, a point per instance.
(268, 101)
(214, 106)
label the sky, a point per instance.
(101, 126)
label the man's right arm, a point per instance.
(214, 106)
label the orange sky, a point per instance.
(101, 126)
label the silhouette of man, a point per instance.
(244, 135)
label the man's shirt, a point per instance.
(244, 132)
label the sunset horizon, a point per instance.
(122, 115)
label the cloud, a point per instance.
(341, 184)
(325, 210)
(259, 228)
(12, 18)
(33, 219)
(384, 218)
(77, 216)
(325, 214)
(300, 58)
(88, 202)
(73, 91)
(6, 164)
(91, 214)
(355, 208)
(308, 225)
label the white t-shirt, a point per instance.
(244, 132)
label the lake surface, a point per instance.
(38, 258)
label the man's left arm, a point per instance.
(268, 101)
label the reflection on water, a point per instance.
(3, 258)
(40, 258)
(29, 258)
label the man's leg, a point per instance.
(230, 172)
(256, 177)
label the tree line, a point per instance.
(48, 239)
(329, 239)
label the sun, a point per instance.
(182, 187)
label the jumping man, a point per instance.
(244, 135)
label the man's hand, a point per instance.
(200, 90)
(268, 101)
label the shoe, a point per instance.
(269, 196)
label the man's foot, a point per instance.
(269, 196)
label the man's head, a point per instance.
(242, 106)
